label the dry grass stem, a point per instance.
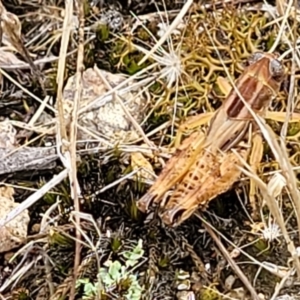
(282, 26)
(39, 111)
(34, 197)
(281, 285)
(75, 189)
(67, 28)
(274, 269)
(231, 262)
(275, 211)
(174, 24)
(26, 91)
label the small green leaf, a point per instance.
(105, 277)
(82, 281)
(114, 270)
(89, 289)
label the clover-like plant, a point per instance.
(116, 278)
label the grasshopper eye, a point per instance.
(276, 69)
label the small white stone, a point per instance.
(229, 281)
(14, 233)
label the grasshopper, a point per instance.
(204, 166)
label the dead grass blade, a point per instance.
(229, 259)
(75, 189)
(274, 209)
(174, 24)
(67, 27)
(34, 197)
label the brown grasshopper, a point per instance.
(204, 166)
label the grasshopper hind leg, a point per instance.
(179, 164)
(254, 161)
(144, 202)
(176, 168)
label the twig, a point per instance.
(27, 158)
(75, 189)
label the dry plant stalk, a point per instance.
(61, 67)
(75, 189)
(230, 260)
(275, 211)
(205, 166)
